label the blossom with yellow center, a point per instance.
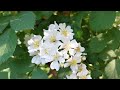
(73, 62)
(82, 70)
(34, 44)
(65, 31)
(57, 60)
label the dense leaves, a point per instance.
(98, 32)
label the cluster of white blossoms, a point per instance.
(58, 48)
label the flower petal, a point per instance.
(55, 65)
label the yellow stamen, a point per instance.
(77, 49)
(52, 39)
(56, 56)
(80, 69)
(46, 51)
(74, 62)
(36, 44)
(83, 77)
(65, 32)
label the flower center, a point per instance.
(65, 32)
(46, 51)
(77, 49)
(52, 39)
(36, 44)
(83, 77)
(56, 56)
(80, 69)
(74, 62)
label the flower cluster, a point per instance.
(58, 48)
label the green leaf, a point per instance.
(63, 72)
(107, 54)
(43, 14)
(97, 44)
(76, 24)
(112, 37)
(3, 75)
(4, 21)
(8, 41)
(23, 21)
(20, 64)
(96, 74)
(39, 74)
(101, 20)
(112, 70)
(92, 57)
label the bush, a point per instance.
(93, 50)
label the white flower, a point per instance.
(53, 27)
(73, 62)
(77, 49)
(66, 31)
(57, 61)
(52, 37)
(82, 71)
(59, 49)
(47, 50)
(85, 77)
(38, 60)
(67, 45)
(72, 76)
(34, 44)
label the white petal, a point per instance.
(30, 42)
(33, 59)
(74, 68)
(66, 65)
(61, 60)
(71, 51)
(72, 76)
(82, 49)
(89, 77)
(66, 56)
(43, 61)
(36, 59)
(55, 65)
(74, 44)
(62, 26)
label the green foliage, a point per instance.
(101, 20)
(8, 41)
(3, 75)
(63, 72)
(97, 44)
(39, 74)
(112, 70)
(23, 21)
(4, 21)
(98, 32)
(43, 14)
